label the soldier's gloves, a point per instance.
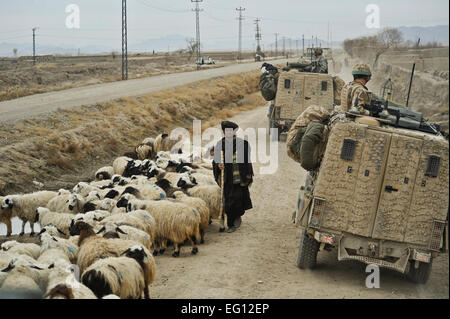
(354, 110)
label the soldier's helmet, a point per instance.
(318, 51)
(361, 69)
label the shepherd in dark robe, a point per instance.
(238, 174)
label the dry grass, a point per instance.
(69, 145)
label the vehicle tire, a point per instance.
(307, 252)
(272, 125)
(421, 274)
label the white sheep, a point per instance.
(145, 192)
(65, 291)
(65, 245)
(54, 231)
(63, 191)
(15, 247)
(120, 164)
(175, 221)
(144, 151)
(22, 277)
(24, 206)
(5, 217)
(211, 194)
(49, 256)
(104, 173)
(93, 247)
(122, 276)
(93, 218)
(111, 230)
(59, 203)
(125, 219)
(84, 189)
(201, 207)
(61, 220)
(60, 283)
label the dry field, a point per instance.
(67, 146)
(19, 78)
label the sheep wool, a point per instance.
(61, 220)
(24, 206)
(121, 276)
(200, 206)
(15, 247)
(5, 217)
(175, 221)
(104, 173)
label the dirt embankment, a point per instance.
(67, 146)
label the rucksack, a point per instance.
(268, 85)
(307, 137)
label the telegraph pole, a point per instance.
(124, 41)
(34, 46)
(303, 40)
(296, 44)
(197, 15)
(240, 9)
(276, 44)
(258, 36)
(284, 46)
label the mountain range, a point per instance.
(175, 42)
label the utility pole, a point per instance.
(34, 46)
(303, 40)
(258, 36)
(240, 9)
(276, 44)
(124, 41)
(296, 44)
(197, 15)
(284, 46)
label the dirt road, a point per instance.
(259, 260)
(33, 105)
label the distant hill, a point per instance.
(437, 33)
(175, 42)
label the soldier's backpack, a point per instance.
(338, 84)
(268, 82)
(306, 139)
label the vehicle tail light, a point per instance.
(437, 233)
(317, 211)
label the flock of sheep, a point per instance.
(106, 232)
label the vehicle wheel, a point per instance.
(421, 274)
(307, 252)
(272, 125)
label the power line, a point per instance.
(124, 41)
(197, 29)
(240, 9)
(162, 9)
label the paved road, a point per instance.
(33, 105)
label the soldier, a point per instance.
(319, 63)
(355, 94)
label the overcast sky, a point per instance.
(100, 20)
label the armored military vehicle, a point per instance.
(381, 193)
(298, 90)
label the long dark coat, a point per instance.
(237, 196)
